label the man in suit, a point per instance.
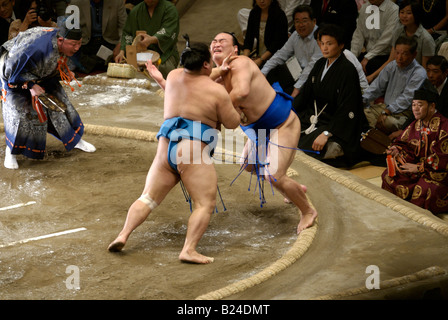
(102, 24)
(437, 71)
(342, 13)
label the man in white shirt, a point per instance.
(396, 83)
(376, 23)
(302, 46)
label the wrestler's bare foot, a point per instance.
(304, 188)
(117, 245)
(306, 220)
(194, 257)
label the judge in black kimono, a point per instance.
(329, 104)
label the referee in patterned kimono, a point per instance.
(32, 64)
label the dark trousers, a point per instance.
(374, 63)
(88, 60)
(281, 75)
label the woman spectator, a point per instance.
(410, 15)
(435, 16)
(267, 30)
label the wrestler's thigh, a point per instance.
(248, 156)
(199, 177)
(283, 148)
(161, 178)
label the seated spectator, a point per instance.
(420, 156)
(329, 104)
(410, 14)
(7, 16)
(362, 76)
(435, 16)
(102, 24)
(359, 3)
(267, 31)
(287, 6)
(375, 40)
(437, 71)
(301, 45)
(160, 20)
(130, 4)
(32, 14)
(396, 83)
(342, 13)
(59, 6)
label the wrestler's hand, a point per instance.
(320, 142)
(36, 90)
(225, 66)
(155, 73)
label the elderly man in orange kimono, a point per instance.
(418, 158)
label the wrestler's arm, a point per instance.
(155, 74)
(240, 81)
(227, 114)
(218, 72)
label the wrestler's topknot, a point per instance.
(194, 55)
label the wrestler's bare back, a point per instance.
(198, 98)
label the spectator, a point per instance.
(376, 40)
(410, 14)
(329, 104)
(267, 31)
(102, 24)
(359, 3)
(32, 14)
(437, 71)
(342, 13)
(60, 6)
(421, 156)
(396, 83)
(435, 16)
(287, 6)
(301, 45)
(7, 16)
(160, 19)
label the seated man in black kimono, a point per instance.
(329, 104)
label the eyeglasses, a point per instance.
(304, 21)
